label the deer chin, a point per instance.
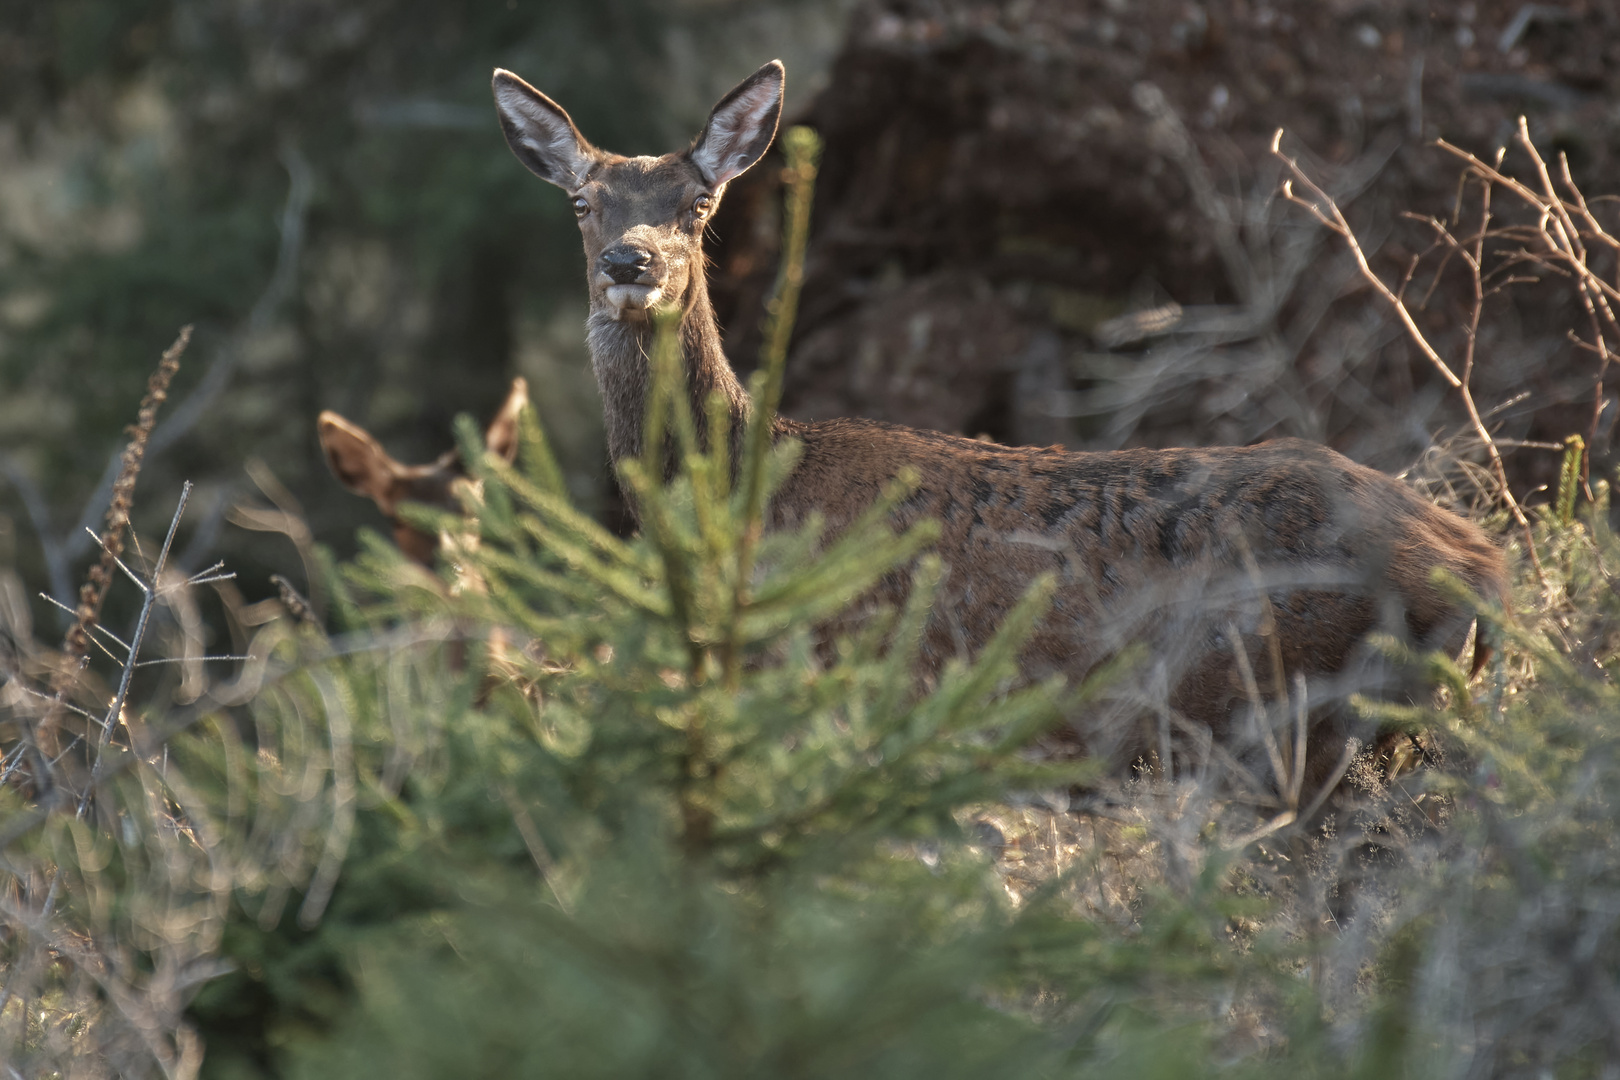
(633, 301)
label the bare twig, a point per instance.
(149, 597)
(1561, 244)
(1261, 717)
(1322, 207)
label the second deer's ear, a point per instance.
(360, 462)
(502, 437)
(540, 133)
(741, 127)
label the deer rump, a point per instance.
(1285, 550)
(1234, 567)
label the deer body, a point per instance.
(1175, 548)
(1285, 549)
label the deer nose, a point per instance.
(625, 264)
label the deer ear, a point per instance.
(502, 437)
(360, 462)
(540, 133)
(741, 127)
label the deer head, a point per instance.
(642, 218)
(365, 468)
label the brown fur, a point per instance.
(1193, 553)
(365, 468)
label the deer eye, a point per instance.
(581, 207)
(702, 205)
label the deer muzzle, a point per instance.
(631, 278)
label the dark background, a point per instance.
(322, 189)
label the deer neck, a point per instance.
(621, 352)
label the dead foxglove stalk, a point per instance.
(93, 592)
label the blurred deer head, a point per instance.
(365, 468)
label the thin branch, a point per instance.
(1593, 301)
(184, 659)
(1334, 220)
(1551, 212)
(202, 577)
(1322, 207)
(77, 739)
(16, 757)
(132, 575)
(149, 595)
(98, 628)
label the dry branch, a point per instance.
(1558, 243)
(1562, 243)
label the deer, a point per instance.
(1231, 568)
(361, 464)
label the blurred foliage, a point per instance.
(609, 851)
